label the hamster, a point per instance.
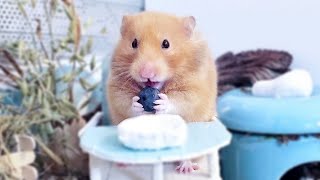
(162, 51)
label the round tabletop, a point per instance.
(203, 138)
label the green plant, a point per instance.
(46, 111)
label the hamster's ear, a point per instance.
(124, 24)
(189, 23)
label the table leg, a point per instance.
(158, 171)
(98, 168)
(213, 166)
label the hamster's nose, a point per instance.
(147, 71)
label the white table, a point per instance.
(101, 142)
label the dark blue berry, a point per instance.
(147, 97)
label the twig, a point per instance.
(40, 40)
(14, 86)
(46, 170)
(70, 85)
(20, 6)
(11, 76)
(50, 29)
(12, 61)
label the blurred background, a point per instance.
(55, 55)
(233, 25)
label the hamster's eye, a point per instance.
(165, 44)
(134, 43)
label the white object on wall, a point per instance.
(237, 25)
(296, 83)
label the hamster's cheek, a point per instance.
(134, 70)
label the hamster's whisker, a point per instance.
(123, 74)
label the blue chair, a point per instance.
(255, 153)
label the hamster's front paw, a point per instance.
(163, 105)
(187, 167)
(136, 108)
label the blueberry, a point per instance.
(147, 97)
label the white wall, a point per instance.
(237, 25)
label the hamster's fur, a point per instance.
(184, 72)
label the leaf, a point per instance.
(81, 69)
(85, 103)
(53, 7)
(54, 157)
(23, 85)
(75, 26)
(38, 29)
(77, 57)
(21, 48)
(103, 30)
(7, 72)
(68, 12)
(56, 116)
(76, 31)
(68, 77)
(31, 100)
(69, 105)
(67, 2)
(63, 44)
(40, 97)
(93, 87)
(88, 23)
(83, 51)
(46, 107)
(21, 9)
(43, 133)
(33, 3)
(70, 92)
(93, 63)
(89, 45)
(50, 83)
(48, 128)
(13, 61)
(84, 84)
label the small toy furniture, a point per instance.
(103, 145)
(255, 123)
(20, 162)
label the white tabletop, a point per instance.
(203, 138)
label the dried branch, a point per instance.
(39, 35)
(22, 10)
(12, 61)
(53, 5)
(8, 73)
(43, 108)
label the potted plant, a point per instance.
(46, 76)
